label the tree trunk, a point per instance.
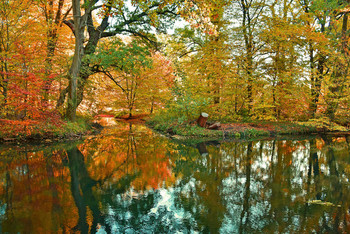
(84, 69)
(152, 105)
(130, 113)
(202, 120)
(313, 104)
(247, 29)
(79, 26)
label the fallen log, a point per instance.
(215, 126)
(202, 120)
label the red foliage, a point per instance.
(24, 105)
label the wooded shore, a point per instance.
(245, 130)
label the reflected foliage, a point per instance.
(130, 179)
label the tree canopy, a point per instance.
(267, 60)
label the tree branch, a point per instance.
(70, 24)
(65, 15)
(133, 19)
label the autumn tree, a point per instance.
(21, 63)
(135, 76)
(138, 19)
(124, 65)
(55, 13)
(283, 68)
(204, 66)
(14, 24)
(155, 90)
(25, 107)
(339, 82)
(328, 56)
(248, 15)
(138, 22)
(317, 47)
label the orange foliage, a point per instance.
(112, 158)
(23, 71)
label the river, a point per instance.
(130, 179)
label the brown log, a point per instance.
(215, 126)
(202, 119)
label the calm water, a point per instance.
(131, 180)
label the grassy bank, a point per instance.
(44, 131)
(189, 129)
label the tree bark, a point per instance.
(73, 75)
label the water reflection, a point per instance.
(129, 179)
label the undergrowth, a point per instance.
(25, 130)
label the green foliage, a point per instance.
(185, 106)
(114, 54)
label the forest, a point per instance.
(63, 62)
(101, 109)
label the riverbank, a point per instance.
(16, 131)
(190, 130)
(49, 131)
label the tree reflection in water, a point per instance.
(130, 179)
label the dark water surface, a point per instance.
(131, 180)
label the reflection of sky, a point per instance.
(167, 202)
(2, 210)
(233, 195)
(164, 215)
(167, 212)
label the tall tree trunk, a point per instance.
(51, 47)
(313, 104)
(317, 83)
(274, 87)
(4, 84)
(250, 85)
(248, 43)
(79, 26)
(316, 75)
(83, 68)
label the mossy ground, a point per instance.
(243, 130)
